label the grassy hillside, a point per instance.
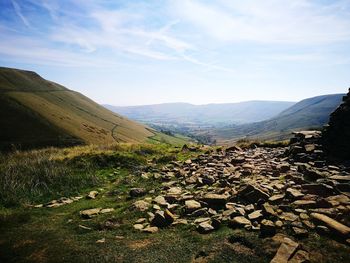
(213, 114)
(176, 140)
(309, 113)
(37, 112)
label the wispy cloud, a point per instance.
(269, 21)
(16, 49)
(187, 30)
(307, 57)
(117, 30)
(121, 31)
(19, 13)
(52, 7)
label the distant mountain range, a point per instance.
(35, 112)
(309, 113)
(225, 123)
(210, 114)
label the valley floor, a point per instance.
(164, 204)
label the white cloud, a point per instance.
(191, 31)
(307, 57)
(268, 21)
(121, 31)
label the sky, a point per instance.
(147, 52)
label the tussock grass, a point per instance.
(31, 176)
(40, 175)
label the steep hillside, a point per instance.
(35, 112)
(309, 113)
(213, 114)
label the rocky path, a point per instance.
(258, 189)
(289, 191)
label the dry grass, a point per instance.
(73, 152)
(33, 175)
(36, 175)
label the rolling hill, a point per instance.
(212, 114)
(309, 113)
(35, 112)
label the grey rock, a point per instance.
(137, 192)
(89, 213)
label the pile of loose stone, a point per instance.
(259, 189)
(336, 135)
(306, 146)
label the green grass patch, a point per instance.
(161, 138)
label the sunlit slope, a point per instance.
(37, 111)
(310, 113)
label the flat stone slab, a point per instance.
(285, 251)
(333, 224)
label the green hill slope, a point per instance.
(35, 112)
(309, 113)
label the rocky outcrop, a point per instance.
(336, 135)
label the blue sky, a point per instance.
(145, 52)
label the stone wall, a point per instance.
(336, 135)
